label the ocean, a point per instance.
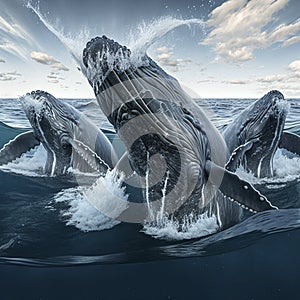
(55, 245)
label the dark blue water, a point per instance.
(54, 246)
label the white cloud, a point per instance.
(239, 27)
(2, 60)
(164, 49)
(294, 66)
(272, 78)
(59, 66)
(13, 28)
(14, 38)
(287, 82)
(291, 41)
(45, 59)
(238, 82)
(53, 81)
(9, 76)
(54, 77)
(166, 58)
(164, 55)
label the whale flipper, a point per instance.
(237, 189)
(291, 142)
(16, 147)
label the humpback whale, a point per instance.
(174, 150)
(257, 132)
(69, 138)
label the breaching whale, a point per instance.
(257, 132)
(172, 146)
(69, 138)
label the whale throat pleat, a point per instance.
(84, 157)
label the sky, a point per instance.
(245, 49)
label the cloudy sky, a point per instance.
(246, 48)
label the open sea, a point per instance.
(55, 245)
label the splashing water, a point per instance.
(146, 35)
(74, 45)
(107, 194)
(286, 169)
(80, 213)
(192, 227)
(30, 163)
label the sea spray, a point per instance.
(139, 41)
(74, 45)
(80, 213)
(191, 227)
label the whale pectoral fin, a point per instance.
(85, 159)
(22, 143)
(237, 189)
(236, 156)
(290, 142)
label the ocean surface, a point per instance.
(55, 245)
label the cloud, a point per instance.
(11, 27)
(45, 59)
(53, 81)
(164, 49)
(2, 60)
(291, 41)
(287, 82)
(207, 81)
(294, 66)
(272, 78)
(238, 82)
(59, 66)
(14, 39)
(166, 58)
(239, 27)
(54, 77)
(9, 76)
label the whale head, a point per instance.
(260, 127)
(53, 123)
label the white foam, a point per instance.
(286, 169)
(29, 102)
(30, 163)
(283, 106)
(169, 229)
(81, 213)
(107, 195)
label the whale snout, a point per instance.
(36, 104)
(274, 103)
(275, 96)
